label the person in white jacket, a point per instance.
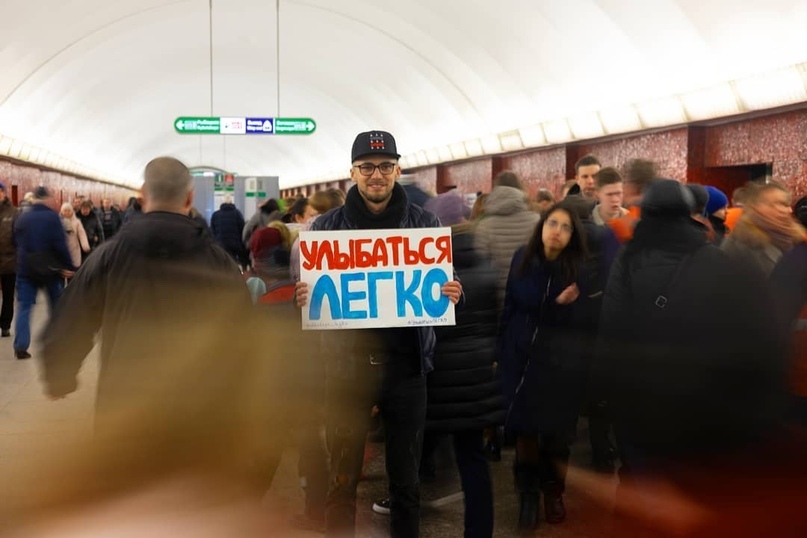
(76, 236)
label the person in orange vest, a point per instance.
(640, 173)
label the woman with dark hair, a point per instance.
(541, 359)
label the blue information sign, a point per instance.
(260, 126)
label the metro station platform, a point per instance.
(30, 424)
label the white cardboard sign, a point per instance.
(359, 279)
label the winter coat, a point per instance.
(789, 281)
(463, 393)
(152, 289)
(8, 253)
(92, 228)
(111, 221)
(720, 229)
(750, 245)
(227, 225)
(413, 217)
(508, 224)
(688, 352)
(540, 350)
(76, 239)
(40, 230)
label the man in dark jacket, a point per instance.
(685, 382)
(161, 346)
(8, 260)
(42, 262)
(403, 355)
(92, 227)
(110, 217)
(227, 225)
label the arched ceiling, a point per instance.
(100, 83)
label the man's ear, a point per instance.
(189, 200)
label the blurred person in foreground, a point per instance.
(184, 403)
(151, 289)
(639, 174)
(766, 230)
(697, 393)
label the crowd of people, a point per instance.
(658, 310)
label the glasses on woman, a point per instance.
(368, 169)
(552, 224)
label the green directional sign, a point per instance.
(244, 125)
(294, 126)
(196, 125)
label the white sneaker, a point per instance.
(382, 506)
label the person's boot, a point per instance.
(529, 496)
(553, 503)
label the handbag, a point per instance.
(43, 267)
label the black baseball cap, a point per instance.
(374, 143)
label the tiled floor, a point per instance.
(30, 424)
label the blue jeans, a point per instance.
(26, 298)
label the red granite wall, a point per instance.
(20, 178)
(539, 169)
(779, 139)
(698, 154)
(668, 149)
(469, 177)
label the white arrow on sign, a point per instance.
(180, 125)
(310, 126)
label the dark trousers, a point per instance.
(312, 468)
(8, 283)
(542, 460)
(599, 427)
(476, 484)
(402, 401)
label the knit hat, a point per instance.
(701, 196)
(449, 207)
(667, 198)
(717, 200)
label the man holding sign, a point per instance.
(366, 280)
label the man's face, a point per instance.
(773, 204)
(585, 178)
(77, 203)
(85, 210)
(610, 198)
(376, 187)
(2, 195)
(106, 204)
